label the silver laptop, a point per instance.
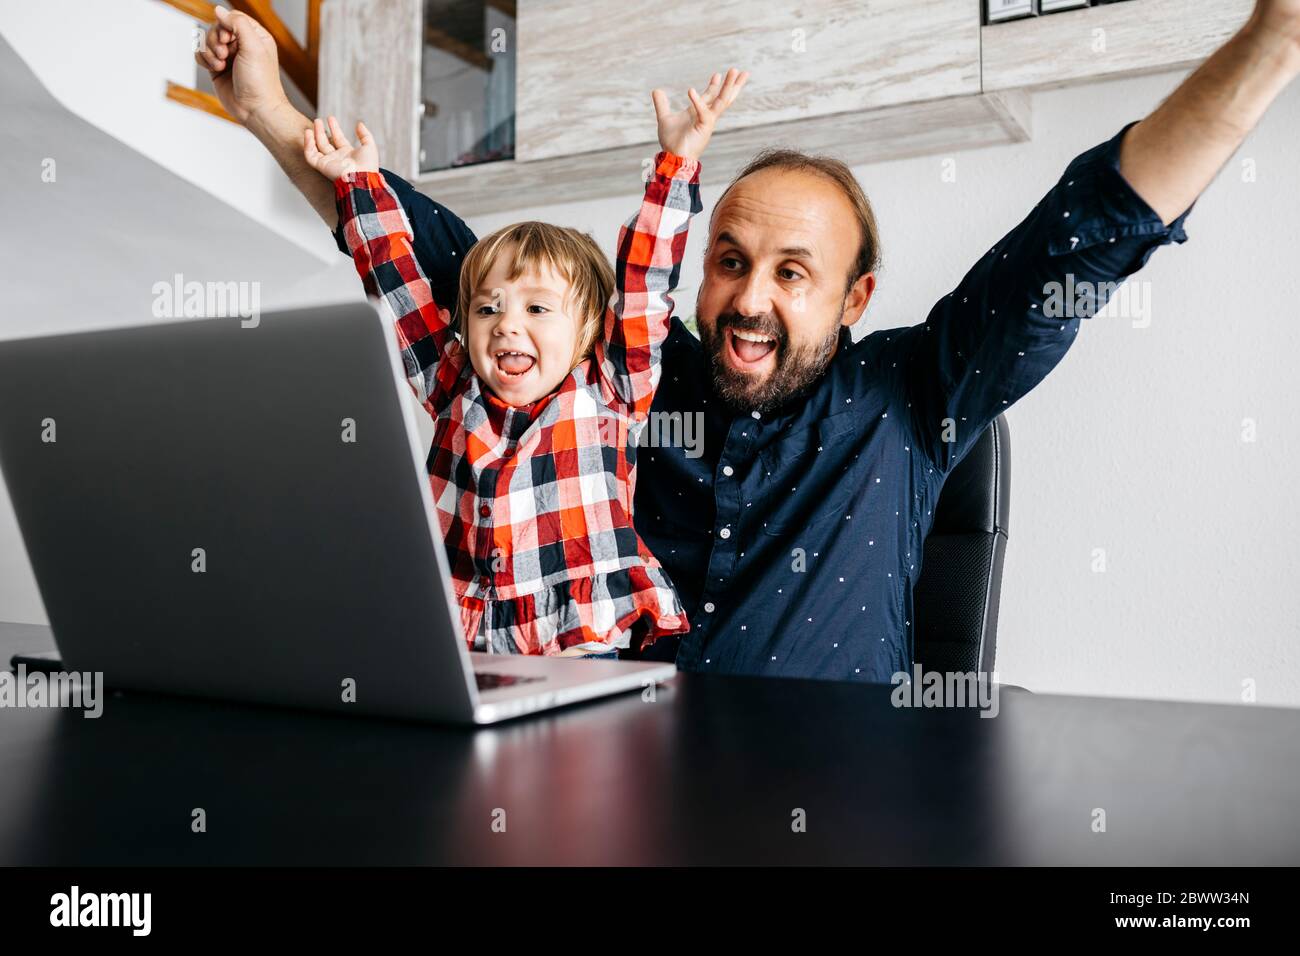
(235, 510)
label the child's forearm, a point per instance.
(651, 246)
(374, 227)
(379, 238)
(650, 250)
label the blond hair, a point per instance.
(572, 254)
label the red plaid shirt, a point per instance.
(536, 501)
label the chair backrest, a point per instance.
(956, 597)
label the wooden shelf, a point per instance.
(1140, 36)
(935, 127)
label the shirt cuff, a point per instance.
(340, 191)
(1093, 203)
(364, 178)
(671, 166)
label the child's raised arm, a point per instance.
(652, 243)
(379, 238)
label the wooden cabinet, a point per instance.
(585, 70)
(864, 80)
(1106, 42)
(370, 60)
(933, 128)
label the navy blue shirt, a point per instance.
(796, 537)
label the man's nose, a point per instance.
(754, 297)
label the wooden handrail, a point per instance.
(198, 9)
(293, 57)
(313, 32)
(197, 99)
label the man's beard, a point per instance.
(795, 369)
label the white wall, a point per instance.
(1133, 444)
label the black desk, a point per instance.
(709, 773)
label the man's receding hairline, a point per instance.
(814, 171)
(811, 170)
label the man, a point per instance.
(796, 538)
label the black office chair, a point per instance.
(956, 598)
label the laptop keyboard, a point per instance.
(493, 681)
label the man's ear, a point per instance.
(855, 303)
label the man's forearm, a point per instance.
(280, 130)
(1172, 155)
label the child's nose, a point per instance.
(509, 322)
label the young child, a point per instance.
(527, 387)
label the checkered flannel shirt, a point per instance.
(536, 501)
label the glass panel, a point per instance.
(467, 83)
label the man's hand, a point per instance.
(686, 133)
(240, 55)
(1280, 17)
(331, 155)
(1173, 155)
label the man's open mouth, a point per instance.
(748, 350)
(514, 364)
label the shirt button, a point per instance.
(485, 511)
(756, 414)
(708, 607)
(728, 470)
(724, 534)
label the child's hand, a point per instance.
(687, 133)
(331, 155)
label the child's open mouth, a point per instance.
(514, 364)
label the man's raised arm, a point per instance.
(1015, 313)
(241, 57)
(1172, 155)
